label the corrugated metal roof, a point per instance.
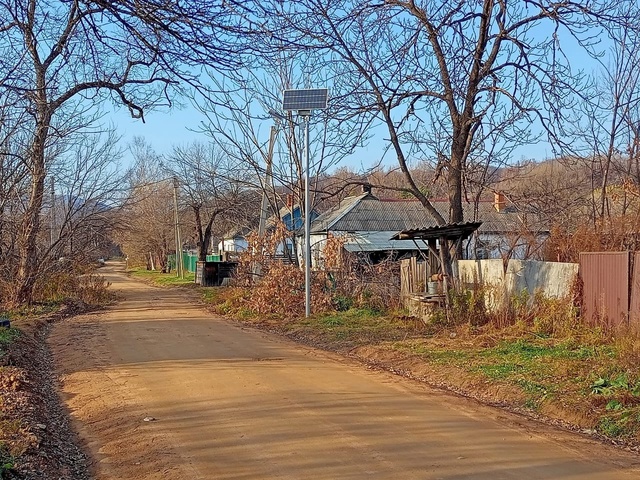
(368, 213)
(450, 231)
(328, 219)
(375, 241)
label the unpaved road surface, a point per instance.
(236, 403)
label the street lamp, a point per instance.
(304, 101)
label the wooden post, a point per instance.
(445, 261)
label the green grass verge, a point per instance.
(354, 324)
(592, 380)
(163, 279)
(6, 461)
(7, 335)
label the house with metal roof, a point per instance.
(368, 224)
(235, 241)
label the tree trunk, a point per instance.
(202, 248)
(206, 240)
(456, 212)
(454, 183)
(30, 227)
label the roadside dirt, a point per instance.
(46, 445)
(158, 388)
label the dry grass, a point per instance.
(15, 438)
(345, 282)
(63, 284)
(87, 288)
(610, 234)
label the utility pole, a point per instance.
(179, 266)
(52, 220)
(264, 211)
(307, 216)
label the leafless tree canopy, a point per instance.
(214, 187)
(59, 60)
(455, 86)
(458, 83)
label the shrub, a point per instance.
(277, 287)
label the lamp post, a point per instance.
(304, 102)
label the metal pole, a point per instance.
(307, 218)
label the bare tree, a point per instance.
(557, 191)
(87, 193)
(146, 226)
(84, 194)
(606, 137)
(213, 187)
(236, 116)
(61, 58)
(458, 83)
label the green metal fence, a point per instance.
(189, 261)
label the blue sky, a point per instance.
(164, 129)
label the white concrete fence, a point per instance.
(552, 279)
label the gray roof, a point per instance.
(452, 231)
(238, 232)
(367, 213)
(376, 241)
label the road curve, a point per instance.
(159, 389)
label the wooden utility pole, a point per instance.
(52, 220)
(179, 266)
(264, 211)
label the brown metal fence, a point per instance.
(634, 314)
(611, 289)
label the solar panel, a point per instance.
(306, 99)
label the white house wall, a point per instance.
(235, 245)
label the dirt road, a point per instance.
(225, 402)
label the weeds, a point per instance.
(543, 316)
(63, 283)
(7, 335)
(6, 461)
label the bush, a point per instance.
(6, 461)
(71, 285)
(347, 282)
(342, 303)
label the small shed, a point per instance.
(431, 237)
(434, 281)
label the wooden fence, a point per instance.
(413, 276)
